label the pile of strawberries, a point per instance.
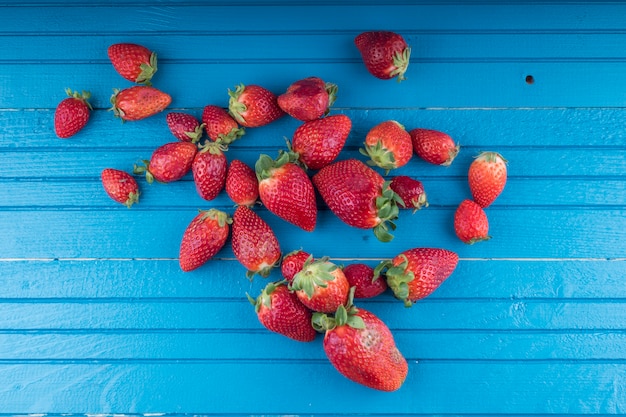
(315, 294)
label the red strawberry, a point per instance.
(204, 237)
(385, 54)
(470, 222)
(487, 177)
(209, 170)
(254, 243)
(242, 185)
(388, 145)
(138, 102)
(319, 142)
(286, 190)
(280, 311)
(367, 284)
(292, 263)
(72, 113)
(184, 126)
(221, 125)
(434, 146)
(253, 105)
(308, 99)
(411, 192)
(358, 196)
(169, 162)
(418, 272)
(134, 62)
(321, 285)
(120, 186)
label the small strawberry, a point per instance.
(411, 192)
(221, 125)
(134, 62)
(203, 238)
(321, 285)
(138, 102)
(254, 243)
(72, 113)
(308, 99)
(319, 142)
(120, 186)
(184, 126)
(487, 177)
(470, 222)
(292, 263)
(385, 54)
(169, 162)
(280, 311)
(434, 146)
(253, 105)
(388, 145)
(241, 185)
(209, 169)
(367, 284)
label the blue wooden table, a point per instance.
(96, 316)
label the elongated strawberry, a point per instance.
(286, 190)
(203, 238)
(120, 186)
(366, 283)
(416, 273)
(411, 192)
(434, 146)
(308, 99)
(138, 102)
(280, 311)
(388, 145)
(184, 126)
(72, 113)
(209, 169)
(487, 177)
(292, 263)
(385, 54)
(221, 125)
(319, 142)
(470, 222)
(242, 185)
(253, 105)
(321, 285)
(169, 162)
(254, 243)
(134, 62)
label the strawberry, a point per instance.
(367, 284)
(321, 285)
(72, 113)
(286, 190)
(292, 263)
(418, 272)
(209, 169)
(411, 192)
(358, 196)
(280, 311)
(169, 162)
(253, 105)
(434, 146)
(385, 54)
(362, 348)
(138, 102)
(134, 62)
(487, 177)
(308, 99)
(184, 126)
(221, 125)
(254, 243)
(470, 222)
(120, 186)
(204, 237)
(388, 145)
(319, 142)
(242, 185)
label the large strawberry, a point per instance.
(385, 54)
(366, 283)
(292, 263)
(220, 125)
(434, 146)
(72, 113)
(184, 126)
(253, 105)
(134, 62)
(241, 185)
(321, 285)
(138, 102)
(286, 190)
(487, 177)
(209, 169)
(169, 162)
(359, 196)
(388, 145)
(308, 99)
(120, 186)
(319, 142)
(411, 191)
(203, 238)
(470, 222)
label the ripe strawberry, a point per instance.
(184, 126)
(434, 146)
(308, 99)
(367, 284)
(72, 113)
(120, 186)
(470, 222)
(411, 192)
(385, 54)
(416, 273)
(359, 196)
(286, 190)
(280, 311)
(388, 145)
(254, 243)
(253, 105)
(169, 162)
(134, 62)
(292, 263)
(209, 170)
(242, 185)
(221, 125)
(319, 142)
(204, 237)
(487, 177)
(321, 285)
(138, 102)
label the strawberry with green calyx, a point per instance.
(221, 125)
(411, 192)
(184, 126)
(120, 186)
(253, 105)
(203, 238)
(292, 263)
(434, 146)
(470, 223)
(72, 113)
(366, 283)
(487, 176)
(318, 142)
(134, 62)
(385, 54)
(388, 145)
(209, 169)
(308, 99)
(242, 185)
(169, 162)
(320, 285)
(138, 102)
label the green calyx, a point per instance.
(401, 62)
(214, 148)
(421, 202)
(234, 134)
(132, 199)
(220, 216)
(331, 89)
(388, 211)
(83, 96)
(489, 156)
(144, 170)
(147, 70)
(398, 278)
(379, 156)
(265, 165)
(345, 315)
(265, 298)
(117, 112)
(235, 107)
(314, 273)
(197, 133)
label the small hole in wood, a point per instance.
(530, 79)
